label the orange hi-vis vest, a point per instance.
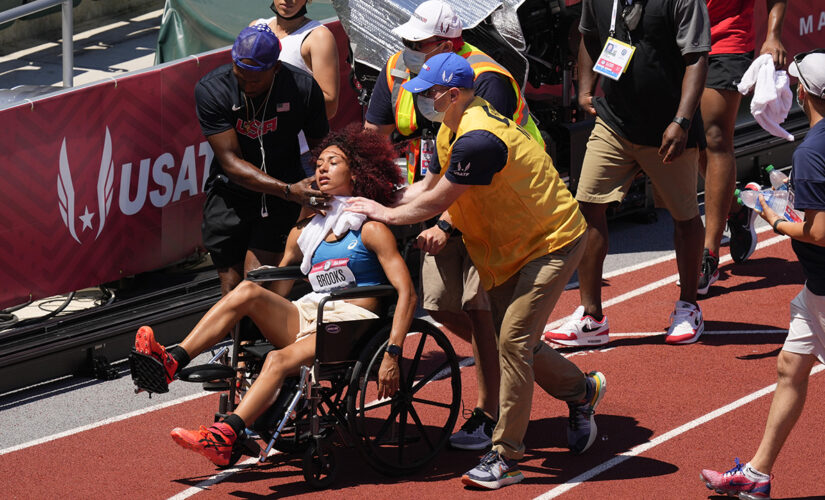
(524, 213)
(402, 100)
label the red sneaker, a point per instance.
(215, 443)
(145, 343)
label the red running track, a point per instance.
(669, 411)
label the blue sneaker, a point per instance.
(735, 482)
(476, 433)
(581, 427)
(493, 472)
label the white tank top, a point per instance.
(291, 54)
(291, 44)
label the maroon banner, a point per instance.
(106, 181)
(102, 182)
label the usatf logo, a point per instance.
(163, 188)
(445, 78)
(462, 171)
(65, 190)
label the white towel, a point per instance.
(772, 96)
(337, 220)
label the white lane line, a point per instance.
(671, 256)
(104, 422)
(638, 450)
(217, 478)
(657, 284)
(774, 331)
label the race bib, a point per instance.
(330, 275)
(614, 59)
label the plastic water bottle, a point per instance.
(777, 200)
(779, 181)
(778, 178)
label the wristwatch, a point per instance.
(394, 350)
(444, 226)
(682, 122)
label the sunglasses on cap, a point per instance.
(798, 60)
(417, 46)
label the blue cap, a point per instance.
(259, 44)
(448, 69)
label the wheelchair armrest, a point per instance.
(359, 292)
(272, 273)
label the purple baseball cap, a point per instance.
(259, 44)
(448, 69)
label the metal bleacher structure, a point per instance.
(84, 342)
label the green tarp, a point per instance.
(195, 26)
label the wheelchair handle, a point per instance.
(272, 273)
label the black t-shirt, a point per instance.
(808, 181)
(643, 102)
(490, 86)
(475, 158)
(296, 103)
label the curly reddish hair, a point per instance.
(371, 158)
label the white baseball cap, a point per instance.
(431, 18)
(809, 67)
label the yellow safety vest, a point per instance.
(402, 100)
(524, 213)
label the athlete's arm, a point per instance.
(378, 238)
(773, 39)
(321, 55)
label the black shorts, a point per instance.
(231, 226)
(725, 70)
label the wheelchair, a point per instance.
(336, 396)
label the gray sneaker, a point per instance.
(581, 427)
(493, 472)
(475, 434)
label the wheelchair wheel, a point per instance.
(319, 465)
(400, 435)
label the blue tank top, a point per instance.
(345, 263)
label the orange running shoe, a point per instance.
(215, 443)
(145, 343)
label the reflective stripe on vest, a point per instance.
(404, 108)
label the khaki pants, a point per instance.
(450, 282)
(521, 307)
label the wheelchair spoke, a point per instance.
(425, 380)
(410, 380)
(387, 423)
(432, 403)
(376, 404)
(402, 431)
(420, 426)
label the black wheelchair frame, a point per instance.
(396, 436)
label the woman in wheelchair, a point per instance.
(336, 249)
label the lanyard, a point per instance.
(613, 18)
(613, 21)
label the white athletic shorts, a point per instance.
(806, 334)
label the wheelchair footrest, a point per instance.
(207, 373)
(148, 373)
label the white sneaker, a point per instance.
(686, 324)
(580, 330)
